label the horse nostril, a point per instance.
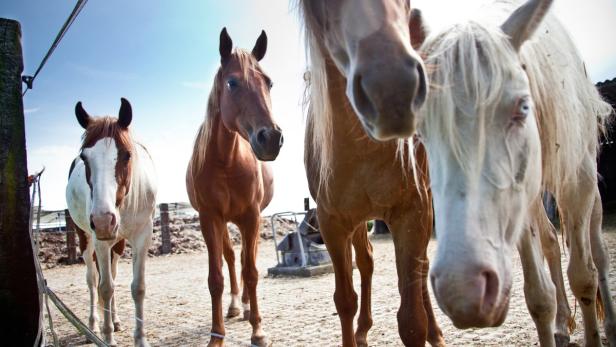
(92, 223)
(113, 220)
(422, 89)
(361, 96)
(491, 289)
(261, 138)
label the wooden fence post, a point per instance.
(164, 228)
(19, 297)
(71, 245)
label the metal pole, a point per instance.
(164, 228)
(19, 296)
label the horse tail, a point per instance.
(600, 306)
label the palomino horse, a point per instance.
(227, 182)
(355, 178)
(507, 118)
(111, 195)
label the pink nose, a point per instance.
(104, 225)
(469, 298)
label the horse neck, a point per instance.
(224, 145)
(141, 186)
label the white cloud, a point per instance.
(31, 110)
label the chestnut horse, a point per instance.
(111, 196)
(226, 180)
(355, 167)
(512, 114)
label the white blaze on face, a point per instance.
(101, 160)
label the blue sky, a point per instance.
(162, 56)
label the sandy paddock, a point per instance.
(296, 311)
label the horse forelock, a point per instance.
(472, 61)
(468, 66)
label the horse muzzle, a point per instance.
(266, 143)
(387, 88)
(104, 225)
(475, 298)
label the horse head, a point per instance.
(244, 101)
(106, 153)
(369, 41)
(484, 149)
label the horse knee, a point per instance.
(346, 303)
(215, 284)
(137, 290)
(250, 277)
(106, 292)
(584, 284)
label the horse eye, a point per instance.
(522, 109)
(270, 85)
(232, 83)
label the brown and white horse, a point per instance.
(111, 196)
(512, 113)
(366, 86)
(226, 179)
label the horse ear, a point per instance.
(417, 28)
(82, 116)
(260, 46)
(226, 45)
(125, 116)
(523, 22)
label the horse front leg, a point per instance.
(92, 281)
(141, 244)
(365, 264)
(435, 334)
(249, 227)
(229, 255)
(337, 236)
(539, 290)
(551, 250)
(117, 324)
(105, 288)
(410, 242)
(211, 228)
(576, 201)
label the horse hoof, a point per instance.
(233, 312)
(215, 342)
(260, 341)
(247, 315)
(561, 340)
(117, 326)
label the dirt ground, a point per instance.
(296, 311)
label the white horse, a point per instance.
(511, 114)
(111, 195)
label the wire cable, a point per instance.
(29, 80)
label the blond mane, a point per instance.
(472, 61)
